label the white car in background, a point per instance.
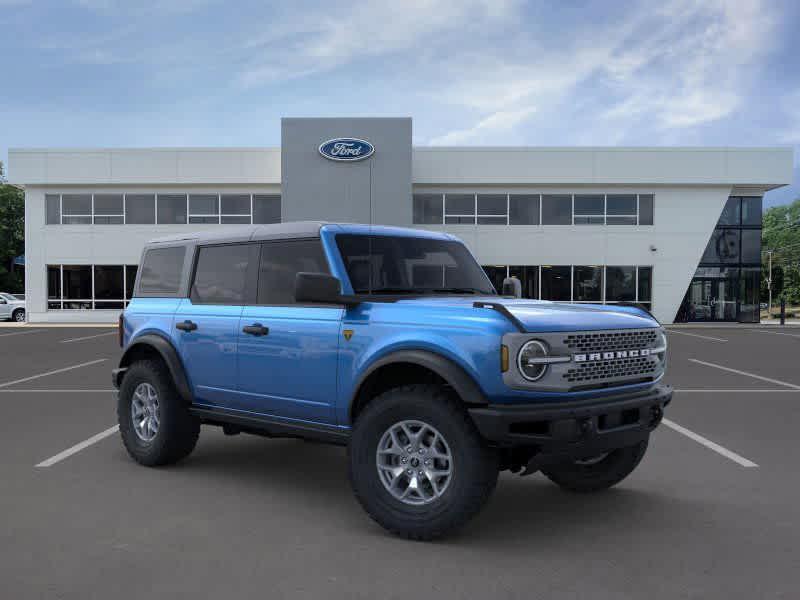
(12, 308)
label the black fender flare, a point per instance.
(456, 377)
(168, 354)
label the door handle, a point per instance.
(186, 326)
(256, 329)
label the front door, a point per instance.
(207, 323)
(288, 352)
(711, 300)
(5, 308)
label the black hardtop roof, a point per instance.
(297, 229)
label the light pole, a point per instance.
(769, 286)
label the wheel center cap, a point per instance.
(414, 462)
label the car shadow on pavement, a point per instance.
(313, 477)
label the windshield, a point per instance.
(381, 264)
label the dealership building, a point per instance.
(675, 229)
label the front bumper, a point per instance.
(574, 429)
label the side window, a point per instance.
(161, 271)
(280, 264)
(220, 274)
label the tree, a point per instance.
(12, 235)
(781, 235)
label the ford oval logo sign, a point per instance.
(346, 149)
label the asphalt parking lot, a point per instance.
(712, 511)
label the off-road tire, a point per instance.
(612, 469)
(475, 466)
(178, 430)
(15, 316)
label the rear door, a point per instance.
(288, 351)
(207, 322)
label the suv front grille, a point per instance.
(604, 370)
(606, 341)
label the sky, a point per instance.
(107, 73)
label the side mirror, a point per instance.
(317, 287)
(512, 287)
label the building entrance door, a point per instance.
(711, 300)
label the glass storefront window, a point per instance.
(730, 214)
(645, 292)
(496, 274)
(523, 209)
(587, 284)
(529, 278)
(749, 295)
(723, 247)
(556, 283)
(751, 211)
(751, 246)
(620, 284)
(459, 209)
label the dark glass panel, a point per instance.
(54, 282)
(556, 282)
(171, 209)
(161, 270)
(751, 246)
(723, 247)
(557, 209)
(620, 284)
(108, 282)
(280, 264)
(529, 278)
(140, 209)
(645, 284)
(749, 295)
(266, 208)
(77, 282)
(587, 284)
(492, 204)
(130, 279)
(220, 274)
(496, 274)
(235, 204)
(53, 209)
(751, 211)
(523, 209)
(731, 213)
(621, 204)
(646, 209)
(427, 209)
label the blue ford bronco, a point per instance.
(394, 343)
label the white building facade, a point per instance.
(674, 229)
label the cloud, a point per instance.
(322, 40)
(682, 65)
(496, 122)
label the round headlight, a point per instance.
(529, 367)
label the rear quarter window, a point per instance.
(161, 271)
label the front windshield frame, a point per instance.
(411, 257)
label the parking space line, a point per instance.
(78, 447)
(22, 332)
(87, 337)
(56, 371)
(83, 391)
(730, 455)
(745, 373)
(794, 335)
(697, 335)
